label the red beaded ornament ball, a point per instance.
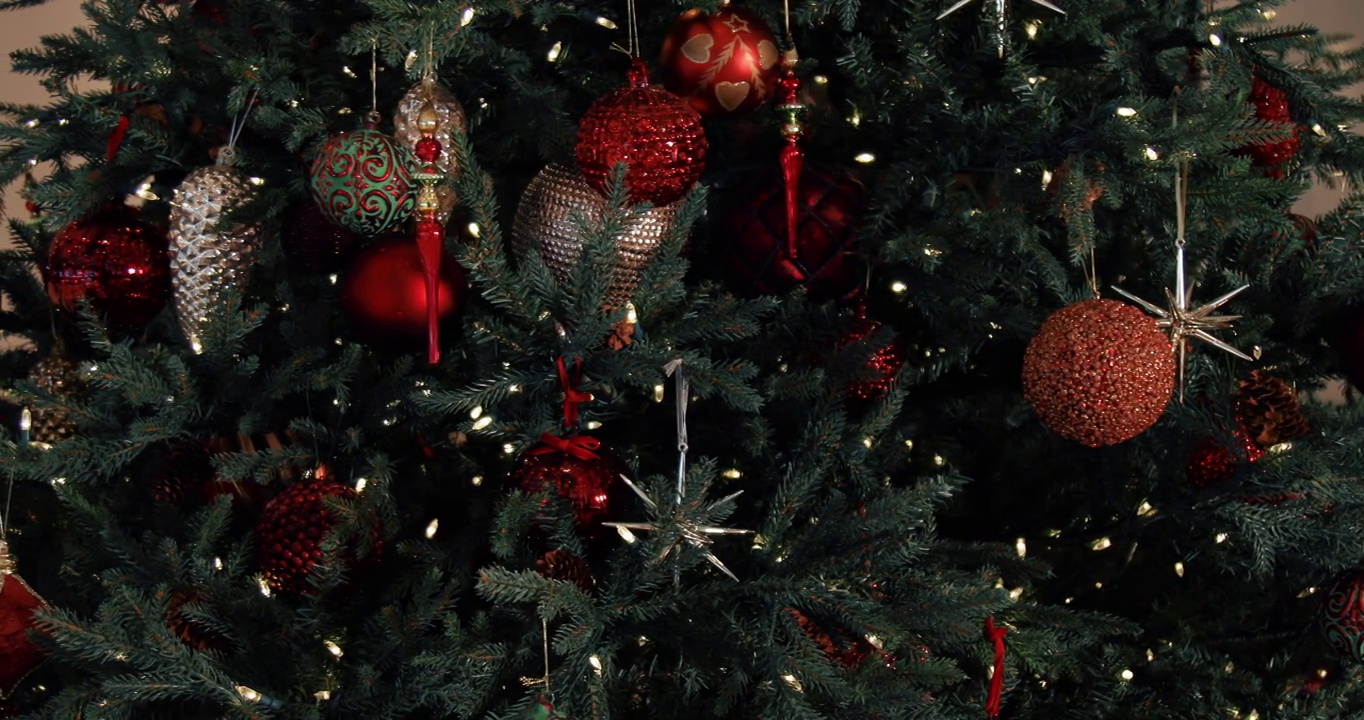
(723, 64)
(880, 366)
(384, 292)
(1099, 372)
(1271, 104)
(291, 531)
(824, 259)
(655, 133)
(113, 260)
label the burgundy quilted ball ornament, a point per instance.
(1099, 372)
(723, 63)
(1271, 105)
(293, 527)
(577, 469)
(19, 656)
(655, 133)
(822, 256)
(1342, 615)
(113, 260)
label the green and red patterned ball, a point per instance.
(362, 181)
(1342, 615)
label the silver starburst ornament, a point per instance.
(1181, 318)
(212, 256)
(692, 525)
(1001, 18)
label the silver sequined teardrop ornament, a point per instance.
(449, 118)
(545, 221)
(212, 256)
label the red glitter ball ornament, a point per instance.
(1213, 462)
(655, 133)
(19, 656)
(1271, 105)
(113, 260)
(723, 64)
(581, 472)
(824, 259)
(880, 366)
(1099, 372)
(293, 527)
(384, 292)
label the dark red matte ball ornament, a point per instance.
(113, 260)
(823, 258)
(654, 133)
(315, 244)
(384, 292)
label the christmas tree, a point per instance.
(836, 359)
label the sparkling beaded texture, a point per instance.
(212, 257)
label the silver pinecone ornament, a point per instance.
(212, 255)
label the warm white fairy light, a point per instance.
(333, 648)
(1146, 509)
(626, 535)
(607, 23)
(1126, 675)
(474, 230)
(217, 563)
(361, 484)
(1101, 544)
(483, 422)
(792, 682)
(659, 393)
(1046, 178)
(865, 158)
(466, 17)
(1021, 547)
(1152, 154)
(345, 70)
(1179, 569)
(1220, 538)
(733, 473)
(898, 287)
(508, 449)
(248, 694)
(432, 527)
(476, 480)
(595, 662)
(263, 585)
(1126, 112)
(554, 51)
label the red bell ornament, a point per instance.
(724, 63)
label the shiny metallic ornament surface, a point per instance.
(449, 116)
(545, 222)
(212, 257)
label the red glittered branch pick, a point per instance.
(579, 446)
(994, 700)
(792, 156)
(116, 139)
(572, 396)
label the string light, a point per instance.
(1101, 544)
(1179, 569)
(432, 527)
(1021, 547)
(466, 17)
(1220, 538)
(554, 51)
(474, 230)
(1126, 112)
(333, 648)
(476, 480)
(865, 158)
(361, 484)
(483, 422)
(607, 23)
(898, 287)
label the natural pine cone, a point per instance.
(845, 649)
(183, 473)
(1268, 408)
(61, 378)
(564, 565)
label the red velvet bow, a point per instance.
(579, 446)
(572, 396)
(995, 700)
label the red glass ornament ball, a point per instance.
(1099, 372)
(1342, 615)
(384, 292)
(1213, 462)
(723, 64)
(1271, 104)
(824, 260)
(591, 486)
(655, 133)
(19, 655)
(315, 244)
(291, 531)
(113, 260)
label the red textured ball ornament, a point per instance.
(19, 655)
(1099, 372)
(384, 292)
(113, 260)
(577, 469)
(1342, 615)
(292, 529)
(1271, 105)
(880, 366)
(723, 64)
(1212, 462)
(655, 133)
(824, 259)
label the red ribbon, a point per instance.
(430, 245)
(996, 635)
(116, 139)
(579, 446)
(792, 161)
(572, 396)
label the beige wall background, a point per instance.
(22, 28)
